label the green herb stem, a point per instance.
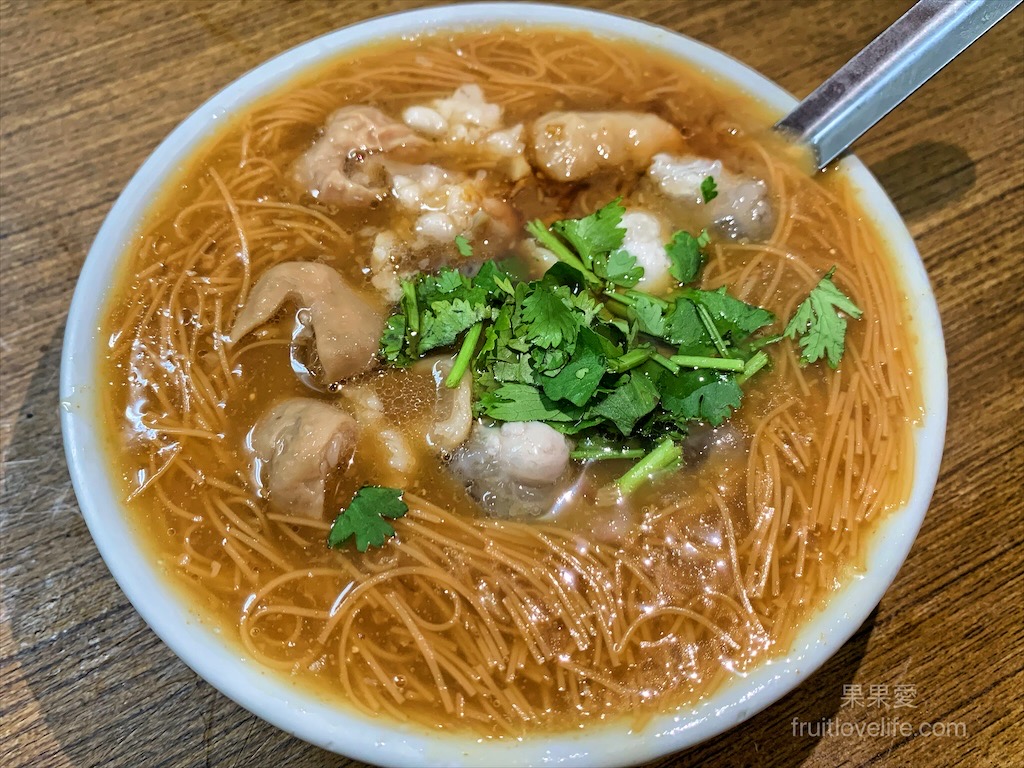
(665, 362)
(666, 454)
(711, 363)
(549, 240)
(620, 298)
(712, 329)
(630, 298)
(461, 364)
(617, 307)
(630, 360)
(605, 452)
(640, 294)
(411, 306)
(752, 366)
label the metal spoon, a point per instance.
(894, 65)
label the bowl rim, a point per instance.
(301, 713)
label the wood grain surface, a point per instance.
(90, 88)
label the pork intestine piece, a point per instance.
(741, 210)
(344, 166)
(569, 146)
(298, 443)
(346, 328)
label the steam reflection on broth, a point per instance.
(474, 616)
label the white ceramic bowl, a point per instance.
(379, 741)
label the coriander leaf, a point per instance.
(708, 189)
(685, 257)
(549, 319)
(365, 517)
(822, 330)
(463, 245)
(393, 339)
(598, 233)
(576, 427)
(619, 267)
(634, 398)
(443, 285)
(701, 395)
(515, 369)
(522, 402)
(648, 316)
(496, 336)
(549, 361)
(731, 316)
(442, 324)
(584, 303)
(561, 273)
(410, 308)
(684, 329)
(625, 329)
(582, 375)
(659, 425)
(493, 282)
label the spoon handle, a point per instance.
(894, 65)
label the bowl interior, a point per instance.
(300, 713)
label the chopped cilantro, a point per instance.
(442, 324)
(522, 402)
(549, 318)
(731, 316)
(708, 189)
(463, 245)
(583, 351)
(819, 326)
(580, 377)
(598, 233)
(701, 395)
(392, 340)
(619, 267)
(365, 517)
(629, 402)
(649, 316)
(685, 256)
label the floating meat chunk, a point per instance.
(513, 470)
(568, 146)
(741, 210)
(346, 329)
(450, 203)
(466, 117)
(400, 461)
(645, 240)
(344, 166)
(299, 442)
(532, 452)
(445, 204)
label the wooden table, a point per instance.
(89, 89)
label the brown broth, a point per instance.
(703, 574)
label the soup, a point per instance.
(501, 564)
